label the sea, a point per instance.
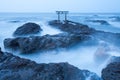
(80, 56)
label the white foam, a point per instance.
(115, 24)
(82, 57)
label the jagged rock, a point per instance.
(27, 28)
(112, 71)
(47, 42)
(73, 27)
(16, 68)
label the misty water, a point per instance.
(81, 56)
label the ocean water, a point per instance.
(82, 57)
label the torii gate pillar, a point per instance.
(62, 12)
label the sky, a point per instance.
(82, 6)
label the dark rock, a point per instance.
(15, 21)
(77, 28)
(28, 28)
(95, 15)
(112, 71)
(16, 68)
(72, 27)
(47, 42)
(102, 22)
(76, 33)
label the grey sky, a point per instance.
(53, 5)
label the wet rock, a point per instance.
(77, 28)
(112, 71)
(72, 27)
(16, 68)
(47, 42)
(28, 28)
(102, 22)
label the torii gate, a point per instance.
(62, 12)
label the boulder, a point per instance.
(46, 42)
(111, 72)
(16, 68)
(27, 28)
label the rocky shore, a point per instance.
(77, 28)
(13, 67)
(73, 33)
(16, 68)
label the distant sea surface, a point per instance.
(111, 18)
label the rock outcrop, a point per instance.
(26, 29)
(72, 27)
(73, 34)
(77, 28)
(46, 42)
(16, 68)
(112, 71)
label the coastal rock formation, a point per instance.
(72, 27)
(73, 34)
(16, 68)
(112, 71)
(46, 42)
(77, 28)
(27, 28)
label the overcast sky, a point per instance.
(53, 5)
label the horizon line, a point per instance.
(69, 12)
